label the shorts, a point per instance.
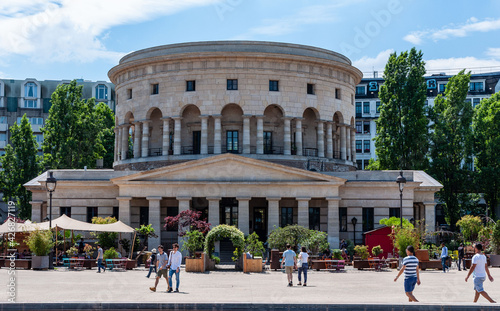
(289, 269)
(162, 272)
(478, 283)
(410, 283)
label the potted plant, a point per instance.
(40, 243)
(377, 250)
(256, 249)
(72, 251)
(362, 254)
(336, 254)
(194, 241)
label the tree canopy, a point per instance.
(402, 128)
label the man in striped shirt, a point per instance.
(411, 270)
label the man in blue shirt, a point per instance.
(289, 261)
(444, 256)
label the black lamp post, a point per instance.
(354, 221)
(50, 185)
(401, 183)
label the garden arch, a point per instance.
(225, 231)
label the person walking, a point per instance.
(444, 257)
(302, 265)
(289, 262)
(174, 261)
(152, 262)
(161, 266)
(480, 269)
(100, 257)
(411, 271)
(461, 256)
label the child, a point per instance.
(480, 269)
(411, 270)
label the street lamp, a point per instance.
(354, 221)
(50, 185)
(401, 183)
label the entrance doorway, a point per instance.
(229, 211)
(260, 222)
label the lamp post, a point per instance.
(50, 185)
(401, 183)
(354, 221)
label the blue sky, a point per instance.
(67, 39)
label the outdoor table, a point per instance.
(76, 263)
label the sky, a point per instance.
(84, 39)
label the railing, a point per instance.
(224, 150)
(310, 152)
(155, 152)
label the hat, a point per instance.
(153, 250)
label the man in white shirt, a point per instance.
(174, 261)
(480, 269)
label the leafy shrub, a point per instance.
(316, 241)
(495, 238)
(336, 254)
(110, 254)
(350, 248)
(402, 238)
(216, 259)
(193, 242)
(470, 226)
(254, 245)
(88, 250)
(362, 251)
(377, 250)
(105, 239)
(291, 234)
(396, 222)
(40, 242)
(224, 231)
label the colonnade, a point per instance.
(339, 138)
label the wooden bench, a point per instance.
(19, 263)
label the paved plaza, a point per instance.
(324, 287)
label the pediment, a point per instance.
(228, 168)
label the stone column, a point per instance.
(125, 128)
(244, 214)
(154, 220)
(303, 212)
(137, 140)
(217, 134)
(298, 136)
(329, 140)
(117, 143)
(183, 206)
(430, 216)
(273, 213)
(177, 135)
(204, 135)
(348, 143)
(213, 210)
(124, 209)
(353, 145)
(166, 136)
(342, 142)
(333, 221)
(321, 140)
(145, 139)
(287, 137)
(260, 135)
(246, 134)
(36, 211)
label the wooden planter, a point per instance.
(195, 264)
(252, 265)
(360, 264)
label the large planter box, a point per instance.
(40, 262)
(360, 264)
(131, 264)
(195, 264)
(252, 265)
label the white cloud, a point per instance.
(316, 14)
(471, 26)
(369, 64)
(493, 52)
(73, 30)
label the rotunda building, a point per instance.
(284, 103)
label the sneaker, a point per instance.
(98, 271)
(176, 290)
(299, 284)
(169, 290)
(153, 289)
(305, 284)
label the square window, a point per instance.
(476, 101)
(155, 88)
(361, 90)
(101, 91)
(129, 93)
(367, 146)
(378, 107)
(273, 86)
(366, 107)
(366, 127)
(343, 219)
(394, 212)
(91, 213)
(310, 89)
(358, 109)
(190, 86)
(359, 145)
(337, 94)
(368, 219)
(359, 127)
(232, 84)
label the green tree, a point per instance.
(105, 122)
(451, 144)
(72, 132)
(20, 164)
(402, 128)
(486, 126)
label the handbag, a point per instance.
(299, 263)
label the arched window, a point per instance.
(30, 90)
